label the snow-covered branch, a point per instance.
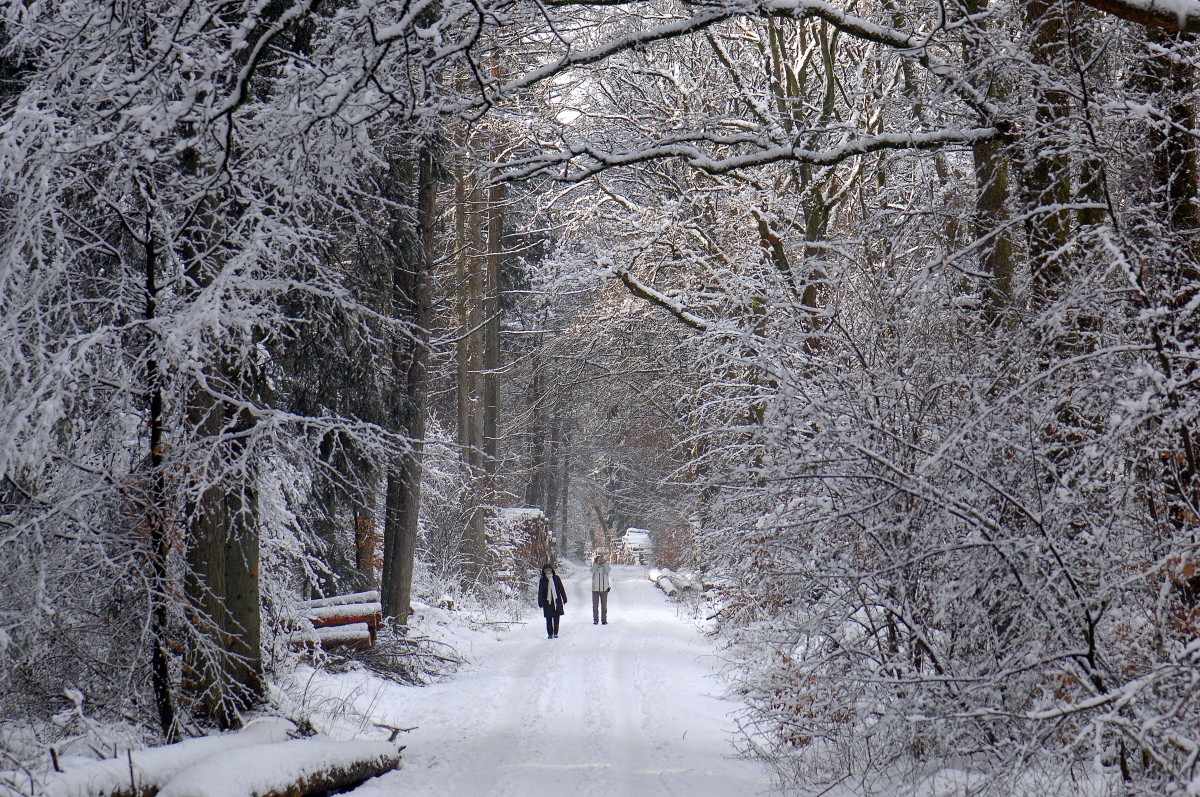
(1182, 16)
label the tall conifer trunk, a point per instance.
(1047, 164)
(157, 515)
(412, 302)
(992, 216)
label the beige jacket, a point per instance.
(600, 577)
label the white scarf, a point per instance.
(551, 593)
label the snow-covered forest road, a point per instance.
(630, 708)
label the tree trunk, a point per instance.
(1047, 165)
(366, 542)
(564, 494)
(535, 488)
(1175, 190)
(489, 431)
(471, 343)
(491, 330)
(243, 601)
(551, 467)
(205, 680)
(991, 217)
(410, 359)
(157, 511)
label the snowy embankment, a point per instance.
(632, 707)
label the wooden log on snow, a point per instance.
(299, 768)
(356, 636)
(347, 614)
(664, 583)
(339, 600)
(142, 773)
(682, 581)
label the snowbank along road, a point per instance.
(630, 708)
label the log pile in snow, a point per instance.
(356, 636)
(663, 581)
(671, 582)
(262, 760)
(684, 581)
(371, 596)
(636, 546)
(368, 614)
(342, 621)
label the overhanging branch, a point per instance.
(659, 299)
(1182, 16)
(689, 151)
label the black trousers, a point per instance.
(552, 625)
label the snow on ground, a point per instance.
(272, 768)
(631, 708)
(155, 766)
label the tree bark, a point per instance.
(991, 218)
(1174, 189)
(535, 488)
(564, 494)
(157, 511)
(470, 357)
(243, 599)
(410, 358)
(1048, 175)
(205, 680)
(491, 329)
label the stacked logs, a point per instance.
(342, 621)
(671, 582)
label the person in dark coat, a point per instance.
(551, 598)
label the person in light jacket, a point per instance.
(601, 584)
(551, 598)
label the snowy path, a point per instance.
(631, 708)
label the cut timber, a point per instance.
(142, 773)
(298, 768)
(664, 583)
(355, 635)
(346, 621)
(340, 600)
(347, 614)
(681, 580)
(636, 546)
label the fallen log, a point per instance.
(356, 636)
(664, 583)
(680, 580)
(347, 614)
(142, 773)
(371, 596)
(299, 768)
